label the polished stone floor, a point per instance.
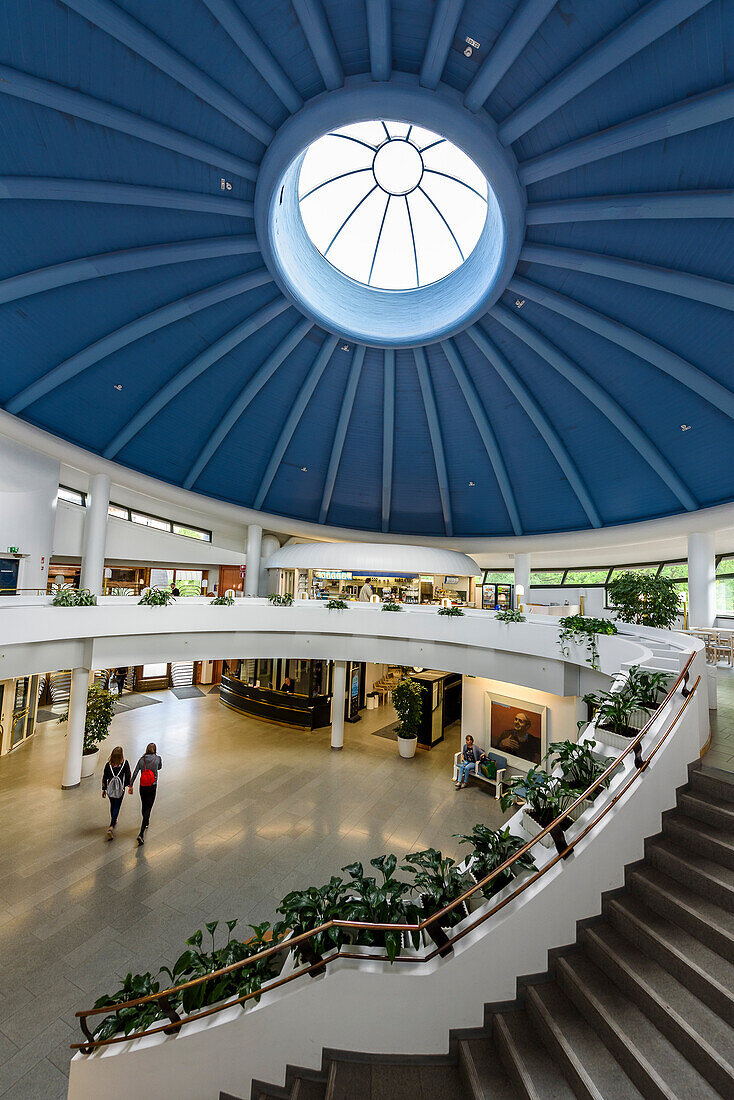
(721, 752)
(245, 812)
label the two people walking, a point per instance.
(116, 778)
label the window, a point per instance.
(188, 581)
(150, 521)
(192, 532)
(725, 568)
(155, 672)
(651, 570)
(587, 576)
(676, 570)
(541, 578)
(72, 496)
(118, 512)
(501, 577)
(725, 585)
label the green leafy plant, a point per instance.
(74, 597)
(278, 600)
(438, 881)
(644, 599)
(391, 605)
(407, 698)
(223, 601)
(100, 712)
(613, 710)
(451, 612)
(646, 686)
(303, 910)
(157, 597)
(490, 849)
(385, 903)
(546, 796)
(579, 767)
(336, 605)
(510, 615)
(136, 1018)
(583, 630)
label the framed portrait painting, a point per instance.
(516, 729)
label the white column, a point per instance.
(701, 579)
(252, 572)
(75, 728)
(337, 704)
(522, 579)
(268, 547)
(95, 534)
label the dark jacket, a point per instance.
(124, 774)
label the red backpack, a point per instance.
(147, 777)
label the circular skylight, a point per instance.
(392, 206)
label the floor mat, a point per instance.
(133, 701)
(188, 691)
(213, 690)
(47, 716)
(390, 732)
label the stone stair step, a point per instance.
(702, 839)
(709, 976)
(482, 1071)
(704, 876)
(589, 1067)
(648, 1058)
(707, 808)
(704, 919)
(714, 783)
(388, 1080)
(527, 1063)
(305, 1088)
(702, 1037)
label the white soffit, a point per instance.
(374, 559)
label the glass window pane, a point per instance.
(71, 496)
(725, 594)
(499, 577)
(265, 672)
(647, 569)
(151, 672)
(192, 532)
(150, 521)
(587, 576)
(161, 578)
(678, 570)
(118, 512)
(725, 566)
(546, 577)
(188, 581)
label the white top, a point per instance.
(374, 559)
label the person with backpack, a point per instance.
(148, 766)
(115, 777)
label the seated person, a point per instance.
(471, 756)
(287, 684)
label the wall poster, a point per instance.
(516, 729)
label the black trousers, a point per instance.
(115, 804)
(147, 798)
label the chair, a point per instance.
(498, 778)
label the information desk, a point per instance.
(283, 707)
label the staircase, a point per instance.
(642, 1005)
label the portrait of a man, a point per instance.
(517, 731)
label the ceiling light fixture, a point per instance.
(685, 427)
(117, 386)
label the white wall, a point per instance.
(28, 487)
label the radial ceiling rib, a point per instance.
(388, 433)
(445, 21)
(129, 259)
(434, 430)
(698, 288)
(489, 439)
(298, 408)
(518, 31)
(539, 419)
(122, 27)
(600, 398)
(670, 204)
(642, 28)
(642, 346)
(184, 377)
(58, 98)
(238, 406)
(680, 118)
(135, 330)
(318, 34)
(241, 32)
(342, 426)
(46, 188)
(379, 31)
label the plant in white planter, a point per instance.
(490, 849)
(647, 688)
(100, 712)
(546, 798)
(579, 769)
(614, 716)
(407, 699)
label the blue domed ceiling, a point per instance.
(579, 376)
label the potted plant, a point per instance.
(100, 712)
(646, 687)
(451, 612)
(303, 910)
(490, 849)
(546, 797)
(336, 605)
(157, 597)
(407, 698)
(644, 599)
(614, 717)
(391, 605)
(579, 769)
(73, 597)
(386, 903)
(583, 629)
(510, 615)
(278, 600)
(223, 601)
(438, 881)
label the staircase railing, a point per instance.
(165, 997)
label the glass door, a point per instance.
(19, 720)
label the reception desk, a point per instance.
(281, 707)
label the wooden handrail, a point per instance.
(287, 944)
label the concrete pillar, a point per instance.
(337, 704)
(75, 728)
(268, 547)
(522, 579)
(252, 572)
(95, 534)
(701, 579)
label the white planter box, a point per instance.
(614, 740)
(532, 828)
(580, 809)
(406, 746)
(89, 763)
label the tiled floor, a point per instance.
(245, 812)
(721, 752)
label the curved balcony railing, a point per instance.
(166, 997)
